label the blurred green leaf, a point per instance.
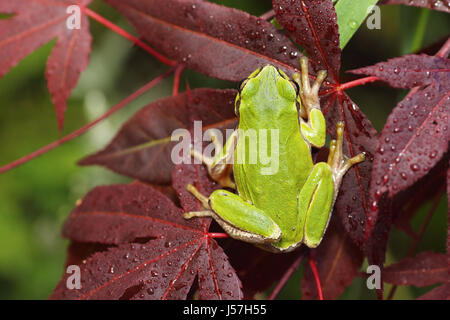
(350, 15)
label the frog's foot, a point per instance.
(338, 162)
(203, 200)
(200, 197)
(309, 95)
(219, 167)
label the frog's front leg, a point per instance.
(220, 166)
(317, 197)
(240, 219)
(314, 128)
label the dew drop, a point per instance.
(378, 194)
(293, 54)
(374, 207)
(353, 24)
(283, 49)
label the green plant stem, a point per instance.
(420, 30)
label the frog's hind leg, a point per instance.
(220, 166)
(314, 128)
(338, 162)
(318, 195)
(315, 202)
(240, 219)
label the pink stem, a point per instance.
(443, 52)
(128, 36)
(218, 235)
(312, 264)
(85, 128)
(176, 80)
(357, 82)
(268, 15)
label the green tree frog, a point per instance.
(281, 210)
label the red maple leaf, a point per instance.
(414, 139)
(36, 22)
(425, 269)
(152, 251)
(142, 148)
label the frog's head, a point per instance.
(266, 84)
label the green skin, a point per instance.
(278, 211)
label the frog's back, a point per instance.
(270, 177)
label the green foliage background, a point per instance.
(36, 197)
